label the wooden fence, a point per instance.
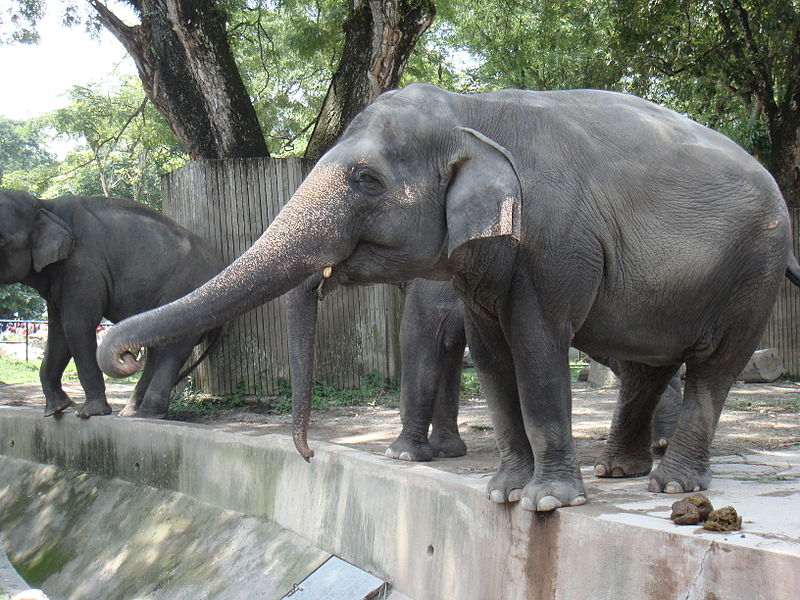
(230, 203)
(783, 329)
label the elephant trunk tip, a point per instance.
(301, 443)
(121, 363)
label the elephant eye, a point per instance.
(368, 182)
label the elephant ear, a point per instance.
(51, 240)
(484, 196)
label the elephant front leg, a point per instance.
(55, 360)
(627, 451)
(495, 366)
(540, 351)
(83, 344)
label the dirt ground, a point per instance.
(756, 417)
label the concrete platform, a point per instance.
(430, 534)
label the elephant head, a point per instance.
(408, 184)
(31, 237)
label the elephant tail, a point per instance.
(793, 270)
(214, 335)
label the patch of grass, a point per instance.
(14, 370)
(784, 403)
(739, 404)
(376, 390)
(189, 402)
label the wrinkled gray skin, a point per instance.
(578, 217)
(432, 342)
(91, 258)
(666, 412)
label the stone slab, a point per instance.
(337, 580)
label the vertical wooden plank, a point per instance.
(230, 203)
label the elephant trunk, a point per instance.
(302, 325)
(305, 237)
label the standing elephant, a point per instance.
(91, 258)
(432, 342)
(579, 217)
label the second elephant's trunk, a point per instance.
(302, 326)
(304, 238)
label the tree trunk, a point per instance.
(187, 69)
(785, 167)
(379, 38)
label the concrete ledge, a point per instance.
(433, 535)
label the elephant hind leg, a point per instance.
(627, 451)
(685, 466)
(445, 439)
(137, 396)
(166, 364)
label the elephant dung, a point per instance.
(765, 366)
(691, 510)
(723, 519)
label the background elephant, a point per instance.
(432, 342)
(91, 258)
(585, 218)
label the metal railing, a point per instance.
(18, 331)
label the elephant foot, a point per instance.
(57, 404)
(128, 411)
(674, 479)
(144, 413)
(406, 449)
(507, 484)
(450, 446)
(93, 408)
(613, 464)
(544, 496)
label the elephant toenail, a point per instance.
(548, 503)
(654, 486)
(600, 471)
(515, 495)
(673, 487)
(497, 496)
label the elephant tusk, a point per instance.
(326, 272)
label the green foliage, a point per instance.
(124, 145)
(375, 390)
(470, 384)
(18, 21)
(189, 403)
(286, 52)
(492, 44)
(22, 147)
(19, 301)
(13, 370)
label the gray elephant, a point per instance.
(432, 342)
(91, 258)
(585, 218)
